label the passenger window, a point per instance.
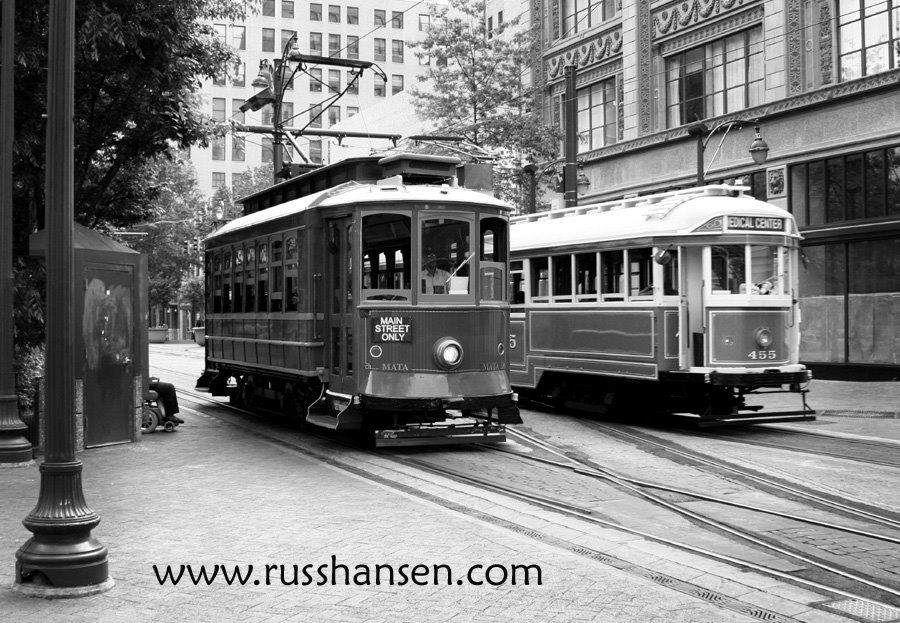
(612, 276)
(729, 273)
(446, 258)
(586, 276)
(640, 283)
(540, 280)
(516, 283)
(492, 264)
(764, 273)
(562, 278)
(668, 259)
(291, 282)
(386, 254)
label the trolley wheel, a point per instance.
(149, 420)
(169, 426)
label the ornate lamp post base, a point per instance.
(62, 559)
(15, 450)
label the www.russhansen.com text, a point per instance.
(333, 573)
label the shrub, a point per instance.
(29, 368)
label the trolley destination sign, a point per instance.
(756, 223)
(391, 329)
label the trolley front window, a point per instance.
(494, 243)
(446, 259)
(386, 252)
(749, 269)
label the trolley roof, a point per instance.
(677, 213)
(356, 193)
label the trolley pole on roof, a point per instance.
(274, 78)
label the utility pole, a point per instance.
(570, 111)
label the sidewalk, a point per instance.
(846, 408)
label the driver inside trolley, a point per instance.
(434, 279)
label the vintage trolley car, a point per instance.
(377, 304)
(681, 302)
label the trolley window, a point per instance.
(446, 257)
(386, 249)
(748, 269)
(612, 266)
(540, 280)
(292, 291)
(277, 276)
(517, 282)
(640, 284)
(492, 267)
(562, 278)
(586, 276)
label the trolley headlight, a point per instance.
(763, 337)
(448, 353)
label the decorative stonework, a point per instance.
(794, 47)
(888, 79)
(600, 48)
(714, 30)
(826, 43)
(645, 57)
(689, 13)
(776, 182)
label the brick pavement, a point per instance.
(210, 493)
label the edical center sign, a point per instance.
(756, 223)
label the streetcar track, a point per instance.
(573, 510)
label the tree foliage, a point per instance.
(475, 85)
(139, 65)
(138, 69)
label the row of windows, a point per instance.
(575, 16)
(238, 152)
(615, 275)
(256, 276)
(726, 75)
(351, 14)
(863, 185)
(336, 44)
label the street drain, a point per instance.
(863, 610)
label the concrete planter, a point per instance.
(157, 335)
(199, 335)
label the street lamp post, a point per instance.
(15, 450)
(759, 150)
(62, 559)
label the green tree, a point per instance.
(139, 65)
(475, 87)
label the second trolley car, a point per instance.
(682, 302)
(369, 305)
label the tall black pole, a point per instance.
(62, 559)
(699, 131)
(277, 138)
(15, 450)
(570, 112)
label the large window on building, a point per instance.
(268, 39)
(868, 37)
(315, 43)
(579, 15)
(716, 78)
(352, 47)
(380, 49)
(334, 45)
(597, 115)
(864, 185)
